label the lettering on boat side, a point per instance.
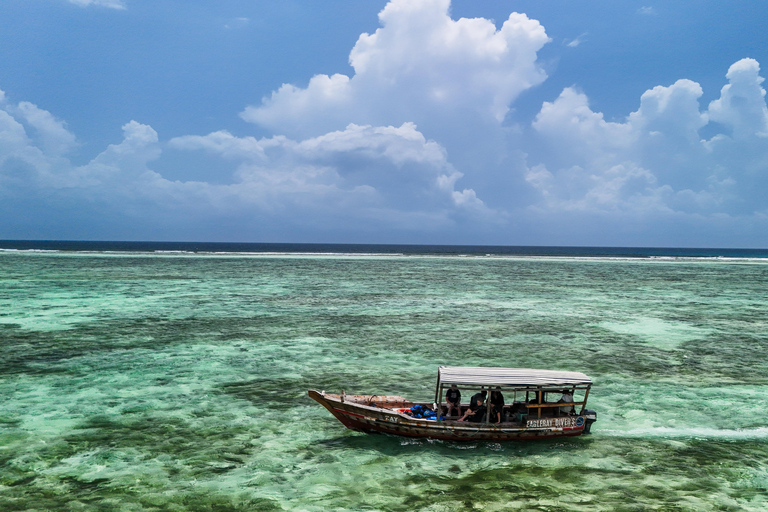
(556, 422)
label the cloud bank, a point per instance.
(416, 146)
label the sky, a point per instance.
(530, 122)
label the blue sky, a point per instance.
(636, 123)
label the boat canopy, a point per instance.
(482, 376)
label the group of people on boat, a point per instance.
(477, 411)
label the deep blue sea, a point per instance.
(381, 249)
(173, 376)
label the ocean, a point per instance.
(174, 376)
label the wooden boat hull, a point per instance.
(369, 413)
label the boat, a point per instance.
(536, 410)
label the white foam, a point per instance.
(689, 433)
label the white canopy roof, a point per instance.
(481, 376)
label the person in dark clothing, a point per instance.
(476, 407)
(453, 399)
(497, 402)
(479, 415)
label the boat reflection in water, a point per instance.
(544, 404)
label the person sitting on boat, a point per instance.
(567, 398)
(497, 402)
(476, 407)
(453, 399)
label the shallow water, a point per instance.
(178, 382)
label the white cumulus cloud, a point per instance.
(655, 160)
(53, 134)
(741, 105)
(421, 66)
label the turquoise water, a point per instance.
(143, 382)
